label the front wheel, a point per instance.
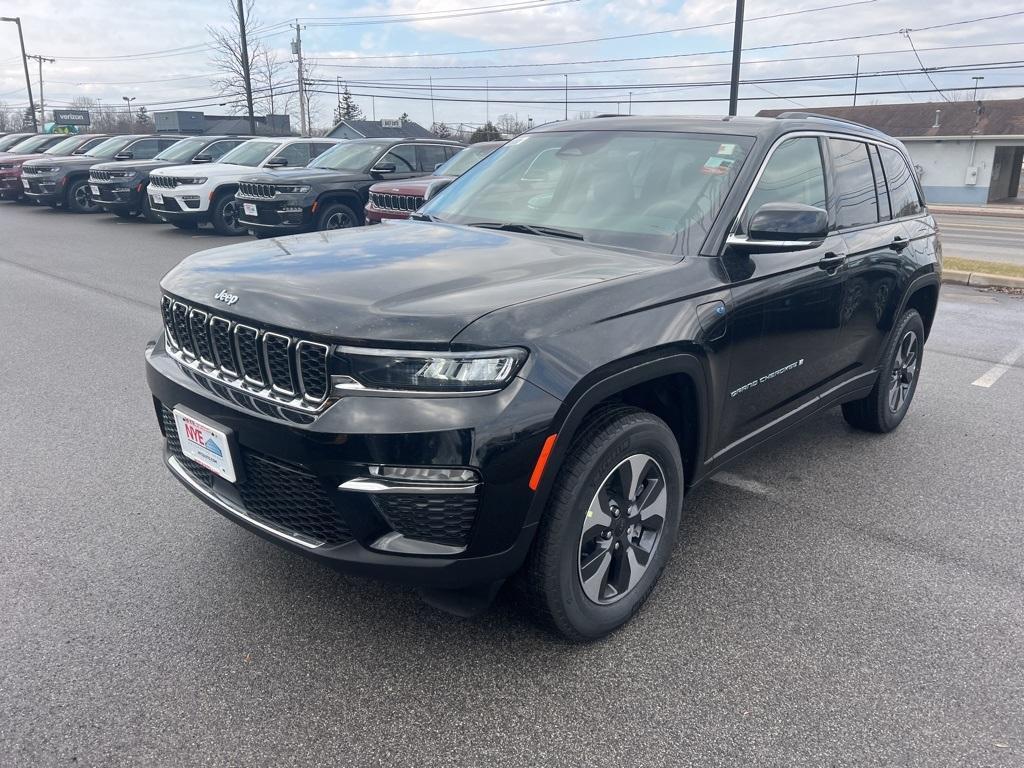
(224, 216)
(610, 525)
(337, 216)
(78, 199)
(886, 405)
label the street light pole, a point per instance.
(42, 113)
(856, 81)
(24, 61)
(737, 51)
(128, 108)
(976, 80)
(566, 96)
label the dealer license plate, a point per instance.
(24, 183)
(157, 198)
(249, 208)
(205, 444)
(94, 189)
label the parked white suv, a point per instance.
(188, 195)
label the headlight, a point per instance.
(7, 166)
(51, 169)
(428, 371)
(292, 189)
(191, 180)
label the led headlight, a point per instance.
(428, 371)
(192, 180)
(7, 166)
(292, 189)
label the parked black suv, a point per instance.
(332, 191)
(527, 380)
(65, 180)
(120, 187)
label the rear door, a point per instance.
(785, 316)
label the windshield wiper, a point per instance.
(529, 229)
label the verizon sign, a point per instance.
(71, 116)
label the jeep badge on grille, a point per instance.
(227, 298)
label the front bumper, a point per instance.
(279, 216)
(178, 207)
(10, 187)
(117, 193)
(43, 189)
(310, 462)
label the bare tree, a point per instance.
(269, 74)
(442, 130)
(510, 125)
(9, 118)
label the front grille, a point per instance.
(28, 170)
(99, 175)
(281, 495)
(440, 519)
(169, 182)
(393, 202)
(261, 191)
(263, 363)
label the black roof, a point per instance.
(375, 129)
(407, 140)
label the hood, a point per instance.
(285, 175)
(416, 187)
(68, 162)
(7, 157)
(210, 170)
(409, 282)
(130, 165)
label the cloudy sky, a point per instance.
(490, 57)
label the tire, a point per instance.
(123, 213)
(574, 580)
(186, 224)
(224, 216)
(78, 200)
(147, 212)
(885, 407)
(337, 216)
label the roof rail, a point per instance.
(816, 116)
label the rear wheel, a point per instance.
(78, 199)
(224, 215)
(884, 408)
(609, 527)
(337, 216)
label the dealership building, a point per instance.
(966, 153)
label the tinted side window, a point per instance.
(297, 155)
(856, 203)
(404, 158)
(218, 148)
(318, 148)
(145, 149)
(451, 152)
(794, 174)
(884, 214)
(902, 189)
(431, 155)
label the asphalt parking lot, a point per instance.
(842, 599)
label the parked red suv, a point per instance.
(398, 199)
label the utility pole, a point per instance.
(433, 120)
(128, 108)
(297, 50)
(245, 67)
(566, 96)
(24, 61)
(487, 99)
(737, 52)
(631, 102)
(856, 81)
(42, 113)
(976, 80)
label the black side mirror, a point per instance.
(783, 226)
(437, 165)
(384, 168)
(277, 162)
(124, 156)
(202, 159)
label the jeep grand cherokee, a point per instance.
(527, 381)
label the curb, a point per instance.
(981, 280)
(957, 210)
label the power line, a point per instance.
(398, 18)
(924, 69)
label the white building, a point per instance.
(966, 153)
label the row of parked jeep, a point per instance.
(264, 186)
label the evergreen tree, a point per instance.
(485, 132)
(347, 108)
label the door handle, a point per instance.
(899, 243)
(832, 260)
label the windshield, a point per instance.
(65, 147)
(183, 150)
(6, 142)
(466, 159)
(32, 144)
(251, 153)
(636, 189)
(110, 147)
(352, 156)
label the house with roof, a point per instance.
(387, 128)
(965, 152)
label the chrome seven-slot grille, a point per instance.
(396, 202)
(250, 189)
(164, 181)
(99, 175)
(263, 363)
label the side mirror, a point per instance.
(783, 227)
(277, 162)
(384, 168)
(124, 156)
(437, 165)
(202, 159)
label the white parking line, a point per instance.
(993, 374)
(735, 481)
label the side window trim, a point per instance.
(415, 153)
(867, 143)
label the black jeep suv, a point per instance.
(121, 187)
(332, 191)
(528, 379)
(65, 180)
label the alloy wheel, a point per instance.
(338, 220)
(901, 378)
(622, 529)
(230, 214)
(83, 200)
